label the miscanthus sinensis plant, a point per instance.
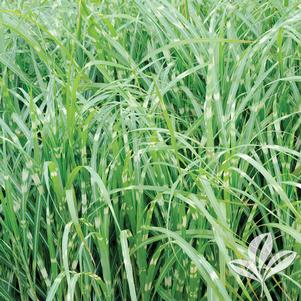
(145, 144)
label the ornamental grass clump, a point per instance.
(145, 146)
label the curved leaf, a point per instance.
(245, 268)
(289, 257)
(266, 250)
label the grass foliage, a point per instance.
(143, 144)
